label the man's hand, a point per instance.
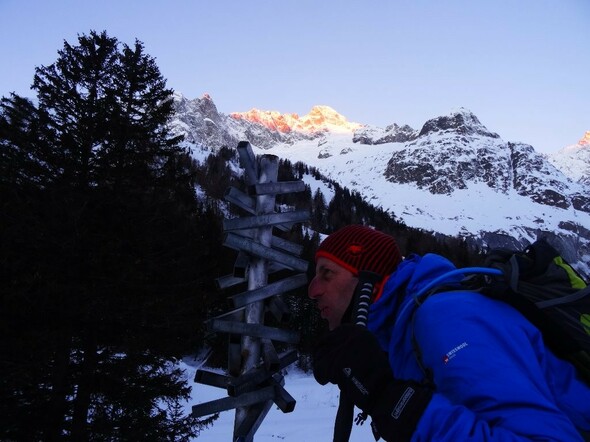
(351, 357)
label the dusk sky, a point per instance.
(521, 66)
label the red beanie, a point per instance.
(359, 247)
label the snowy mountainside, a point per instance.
(574, 160)
(391, 134)
(453, 176)
(475, 210)
(453, 151)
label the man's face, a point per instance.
(332, 287)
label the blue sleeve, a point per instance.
(490, 374)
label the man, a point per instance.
(492, 377)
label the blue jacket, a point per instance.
(495, 379)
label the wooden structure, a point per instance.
(254, 380)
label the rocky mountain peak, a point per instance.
(272, 120)
(200, 122)
(319, 119)
(574, 160)
(391, 134)
(461, 121)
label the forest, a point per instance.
(108, 256)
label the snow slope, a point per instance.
(469, 211)
(312, 420)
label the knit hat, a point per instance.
(357, 247)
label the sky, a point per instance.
(522, 67)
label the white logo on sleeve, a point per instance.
(453, 352)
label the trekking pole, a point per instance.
(362, 300)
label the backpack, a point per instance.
(540, 284)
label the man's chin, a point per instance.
(333, 323)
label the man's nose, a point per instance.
(313, 290)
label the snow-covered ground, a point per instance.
(312, 419)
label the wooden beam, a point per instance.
(277, 307)
(248, 162)
(287, 358)
(245, 429)
(282, 399)
(281, 286)
(265, 220)
(275, 188)
(254, 330)
(248, 381)
(270, 357)
(211, 378)
(227, 403)
(268, 167)
(276, 242)
(241, 265)
(233, 315)
(238, 242)
(227, 281)
(240, 199)
(247, 203)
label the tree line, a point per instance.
(108, 257)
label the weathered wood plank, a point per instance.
(276, 188)
(241, 265)
(281, 286)
(238, 242)
(246, 428)
(248, 162)
(269, 356)
(277, 307)
(212, 378)
(283, 399)
(240, 199)
(276, 242)
(265, 220)
(227, 403)
(254, 330)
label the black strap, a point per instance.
(360, 303)
(344, 418)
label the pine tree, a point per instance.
(75, 91)
(99, 239)
(26, 142)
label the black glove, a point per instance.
(350, 357)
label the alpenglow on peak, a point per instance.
(319, 119)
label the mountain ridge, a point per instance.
(453, 176)
(319, 119)
(574, 160)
